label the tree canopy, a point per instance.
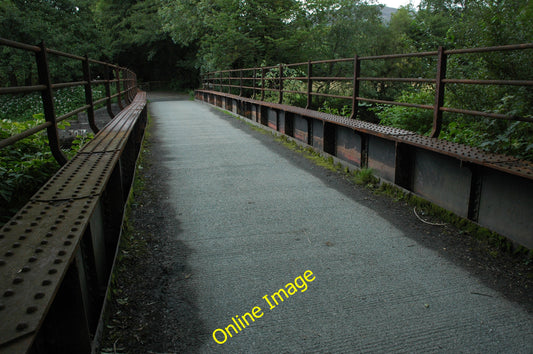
(160, 38)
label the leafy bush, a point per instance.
(23, 107)
(24, 166)
(414, 119)
(513, 138)
(331, 108)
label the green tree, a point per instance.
(234, 33)
(135, 37)
(466, 24)
(65, 25)
(343, 28)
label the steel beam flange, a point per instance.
(83, 176)
(38, 245)
(519, 167)
(117, 131)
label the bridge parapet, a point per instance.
(58, 251)
(495, 191)
(343, 78)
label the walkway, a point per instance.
(254, 216)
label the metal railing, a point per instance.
(255, 82)
(59, 249)
(124, 79)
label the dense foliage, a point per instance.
(26, 165)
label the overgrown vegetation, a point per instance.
(26, 165)
(23, 107)
(173, 42)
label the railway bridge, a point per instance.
(272, 253)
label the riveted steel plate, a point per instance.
(37, 246)
(83, 176)
(519, 167)
(458, 150)
(500, 162)
(114, 135)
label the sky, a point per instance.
(397, 3)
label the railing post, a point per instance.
(129, 85)
(125, 86)
(309, 85)
(253, 83)
(108, 92)
(262, 84)
(89, 94)
(47, 96)
(119, 97)
(240, 82)
(280, 101)
(133, 85)
(439, 93)
(356, 72)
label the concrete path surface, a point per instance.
(285, 258)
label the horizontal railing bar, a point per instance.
(489, 82)
(100, 101)
(21, 89)
(414, 105)
(71, 113)
(300, 78)
(63, 54)
(17, 137)
(397, 79)
(99, 82)
(295, 64)
(331, 78)
(104, 63)
(69, 84)
(18, 45)
(490, 49)
(396, 56)
(486, 114)
(327, 61)
(270, 67)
